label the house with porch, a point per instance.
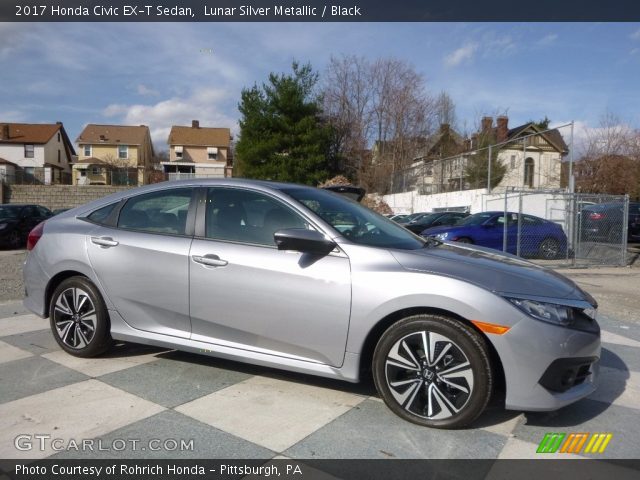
(197, 151)
(530, 157)
(35, 153)
(113, 155)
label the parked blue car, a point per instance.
(539, 238)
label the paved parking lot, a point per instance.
(139, 398)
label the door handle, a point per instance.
(210, 260)
(104, 241)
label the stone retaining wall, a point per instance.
(56, 196)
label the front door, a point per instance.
(247, 294)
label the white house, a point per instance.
(35, 153)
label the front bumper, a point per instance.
(539, 360)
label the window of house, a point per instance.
(58, 156)
(528, 172)
(157, 212)
(83, 173)
(96, 170)
(513, 161)
(123, 151)
(28, 151)
(58, 136)
(178, 152)
(87, 150)
(212, 153)
(247, 217)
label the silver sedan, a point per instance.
(305, 280)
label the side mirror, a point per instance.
(303, 240)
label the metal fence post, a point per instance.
(504, 224)
(625, 230)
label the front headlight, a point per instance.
(547, 312)
(442, 236)
(3, 226)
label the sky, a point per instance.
(163, 74)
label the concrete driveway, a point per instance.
(146, 402)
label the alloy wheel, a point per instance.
(429, 375)
(75, 318)
(549, 248)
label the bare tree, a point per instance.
(445, 110)
(610, 162)
(381, 105)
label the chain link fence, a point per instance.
(558, 228)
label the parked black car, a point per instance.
(603, 222)
(437, 219)
(16, 221)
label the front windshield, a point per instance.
(9, 212)
(477, 219)
(355, 222)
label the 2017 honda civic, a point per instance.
(257, 272)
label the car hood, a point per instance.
(437, 230)
(495, 271)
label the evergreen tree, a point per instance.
(476, 170)
(282, 135)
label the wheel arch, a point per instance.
(374, 335)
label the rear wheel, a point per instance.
(433, 371)
(79, 318)
(464, 240)
(549, 248)
(14, 239)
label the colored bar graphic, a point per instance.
(574, 442)
(550, 443)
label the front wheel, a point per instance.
(79, 318)
(549, 249)
(433, 371)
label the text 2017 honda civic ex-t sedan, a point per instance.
(303, 279)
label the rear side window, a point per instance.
(100, 216)
(157, 212)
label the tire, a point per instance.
(14, 240)
(464, 240)
(417, 391)
(549, 249)
(77, 330)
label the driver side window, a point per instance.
(245, 216)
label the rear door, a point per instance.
(142, 260)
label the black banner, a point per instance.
(542, 469)
(318, 11)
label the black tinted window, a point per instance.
(101, 215)
(247, 217)
(157, 212)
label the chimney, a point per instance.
(195, 124)
(487, 123)
(503, 128)
(5, 131)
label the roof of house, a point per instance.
(200, 136)
(30, 133)
(6, 162)
(553, 136)
(113, 134)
